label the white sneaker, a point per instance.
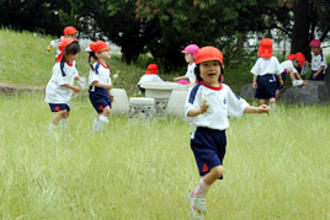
(197, 205)
(294, 83)
(300, 82)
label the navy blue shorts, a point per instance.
(267, 86)
(58, 107)
(99, 102)
(209, 147)
(321, 76)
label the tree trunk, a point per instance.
(300, 35)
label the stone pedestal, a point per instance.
(176, 103)
(141, 108)
(120, 104)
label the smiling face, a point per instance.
(189, 57)
(210, 72)
(103, 55)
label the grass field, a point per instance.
(276, 166)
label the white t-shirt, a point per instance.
(190, 74)
(101, 74)
(223, 103)
(265, 66)
(55, 43)
(288, 65)
(55, 92)
(318, 61)
(148, 78)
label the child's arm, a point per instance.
(318, 72)
(49, 47)
(254, 83)
(76, 89)
(101, 85)
(260, 109)
(197, 111)
(280, 79)
(175, 79)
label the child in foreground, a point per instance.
(61, 85)
(100, 83)
(208, 106)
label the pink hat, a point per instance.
(191, 48)
(315, 43)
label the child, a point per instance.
(290, 67)
(264, 73)
(69, 32)
(100, 83)
(208, 105)
(60, 86)
(150, 75)
(319, 61)
(189, 55)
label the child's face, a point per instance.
(315, 50)
(296, 63)
(210, 72)
(189, 57)
(73, 36)
(69, 58)
(104, 55)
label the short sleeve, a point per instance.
(236, 104)
(255, 69)
(92, 77)
(58, 76)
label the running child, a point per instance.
(189, 55)
(100, 83)
(150, 75)
(69, 32)
(319, 61)
(61, 85)
(208, 105)
(265, 72)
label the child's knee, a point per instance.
(106, 111)
(64, 113)
(217, 171)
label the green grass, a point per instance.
(276, 166)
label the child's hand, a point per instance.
(281, 82)
(108, 87)
(263, 108)
(203, 108)
(254, 85)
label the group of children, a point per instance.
(209, 102)
(61, 86)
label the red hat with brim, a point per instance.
(62, 45)
(209, 53)
(152, 69)
(70, 30)
(299, 56)
(97, 47)
(265, 48)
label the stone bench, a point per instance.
(120, 104)
(141, 107)
(176, 103)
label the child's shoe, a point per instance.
(294, 83)
(197, 203)
(299, 82)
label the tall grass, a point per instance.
(276, 166)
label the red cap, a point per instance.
(98, 46)
(299, 56)
(152, 69)
(209, 53)
(265, 48)
(70, 30)
(62, 45)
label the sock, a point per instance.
(202, 187)
(103, 119)
(52, 127)
(65, 123)
(96, 125)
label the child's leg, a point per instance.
(207, 180)
(101, 119)
(57, 117)
(65, 121)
